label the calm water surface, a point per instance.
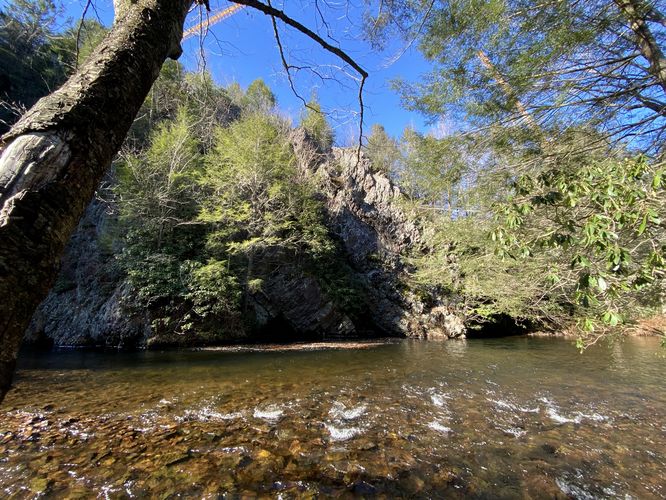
(501, 418)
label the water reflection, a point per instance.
(479, 418)
(456, 348)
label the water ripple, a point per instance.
(342, 433)
(271, 413)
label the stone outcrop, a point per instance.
(85, 308)
(300, 302)
(375, 234)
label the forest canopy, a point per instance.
(552, 168)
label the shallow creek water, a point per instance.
(497, 418)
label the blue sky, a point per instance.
(242, 48)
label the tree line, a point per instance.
(548, 185)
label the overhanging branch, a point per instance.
(274, 13)
(280, 14)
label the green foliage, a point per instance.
(236, 93)
(156, 186)
(258, 98)
(338, 282)
(601, 222)
(554, 61)
(210, 103)
(460, 261)
(37, 53)
(208, 219)
(257, 201)
(213, 289)
(33, 58)
(197, 93)
(546, 97)
(383, 151)
(155, 277)
(575, 241)
(314, 122)
(167, 93)
(432, 168)
(157, 198)
(91, 34)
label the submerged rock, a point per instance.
(363, 214)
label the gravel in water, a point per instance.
(499, 418)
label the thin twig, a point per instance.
(285, 64)
(78, 32)
(269, 10)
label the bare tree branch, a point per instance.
(78, 33)
(271, 11)
(416, 35)
(285, 64)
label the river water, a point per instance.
(496, 418)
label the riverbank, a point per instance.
(652, 326)
(649, 327)
(301, 346)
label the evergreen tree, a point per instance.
(314, 122)
(257, 203)
(554, 62)
(34, 59)
(163, 256)
(556, 99)
(258, 98)
(383, 151)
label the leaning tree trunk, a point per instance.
(636, 14)
(53, 159)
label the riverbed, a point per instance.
(497, 418)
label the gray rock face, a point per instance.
(302, 303)
(367, 219)
(85, 308)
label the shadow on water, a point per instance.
(478, 418)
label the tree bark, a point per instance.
(645, 39)
(53, 159)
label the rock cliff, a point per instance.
(366, 217)
(85, 308)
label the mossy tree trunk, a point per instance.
(53, 159)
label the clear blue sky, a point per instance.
(242, 48)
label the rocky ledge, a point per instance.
(364, 216)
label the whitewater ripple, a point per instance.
(270, 413)
(340, 411)
(436, 426)
(577, 417)
(207, 414)
(342, 433)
